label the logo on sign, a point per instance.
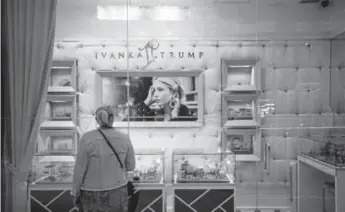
(150, 51)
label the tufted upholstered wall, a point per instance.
(295, 74)
(338, 75)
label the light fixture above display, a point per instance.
(135, 13)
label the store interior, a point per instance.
(264, 82)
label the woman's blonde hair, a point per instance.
(173, 83)
(105, 116)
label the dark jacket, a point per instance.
(144, 113)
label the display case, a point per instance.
(52, 169)
(201, 167)
(326, 147)
(321, 170)
(51, 179)
(63, 76)
(57, 142)
(244, 143)
(203, 181)
(149, 166)
(240, 110)
(60, 111)
(240, 75)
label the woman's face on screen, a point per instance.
(162, 94)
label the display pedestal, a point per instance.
(151, 198)
(57, 198)
(51, 198)
(312, 176)
(204, 197)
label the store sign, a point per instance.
(151, 52)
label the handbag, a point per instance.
(133, 194)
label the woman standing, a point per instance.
(99, 182)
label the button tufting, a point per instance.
(182, 67)
(285, 45)
(138, 67)
(307, 44)
(80, 46)
(217, 45)
(194, 45)
(115, 67)
(103, 45)
(263, 46)
(320, 113)
(240, 45)
(286, 91)
(308, 90)
(161, 68)
(206, 67)
(171, 45)
(320, 68)
(297, 114)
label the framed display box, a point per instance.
(63, 76)
(57, 142)
(61, 108)
(244, 143)
(240, 75)
(174, 97)
(240, 111)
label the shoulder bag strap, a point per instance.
(111, 147)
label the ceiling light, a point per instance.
(118, 13)
(154, 13)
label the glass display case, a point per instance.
(55, 168)
(52, 169)
(202, 167)
(325, 146)
(149, 166)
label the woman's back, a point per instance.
(104, 170)
(99, 181)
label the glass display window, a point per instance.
(201, 167)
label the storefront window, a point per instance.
(228, 95)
